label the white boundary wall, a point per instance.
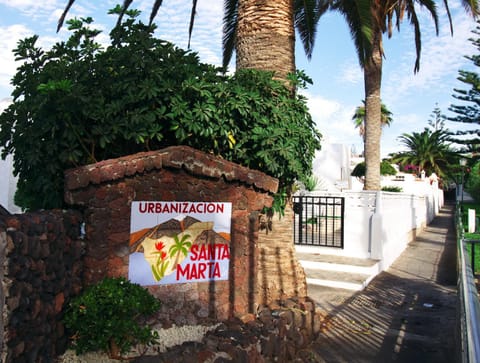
(8, 185)
(379, 225)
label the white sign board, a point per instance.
(179, 242)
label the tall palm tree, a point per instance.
(359, 118)
(383, 14)
(263, 32)
(266, 25)
(429, 150)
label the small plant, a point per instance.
(110, 316)
(385, 169)
(392, 188)
(310, 182)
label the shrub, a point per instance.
(385, 169)
(473, 183)
(392, 188)
(110, 316)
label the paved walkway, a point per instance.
(406, 314)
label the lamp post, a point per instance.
(463, 162)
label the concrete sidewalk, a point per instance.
(406, 314)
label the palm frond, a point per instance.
(449, 15)
(307, 13)
(472, 7)
(230, 17)
(192, 21)
(155, 7)
(410, 9)
(64, 14)
(126, 4)
(358, 15)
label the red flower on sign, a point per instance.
(161, 265)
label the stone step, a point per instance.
(337, 279)
(338, 271)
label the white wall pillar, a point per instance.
(376, 225)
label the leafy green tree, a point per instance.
(437, 119)
(473, 182)
(468, 109)
(429, 150)
(78, 103)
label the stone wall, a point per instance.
(105, 191)
(278, 333)
(41, 269)
(44, 261)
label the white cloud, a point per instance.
(34, 9)
(4, 103)
(173, 20)
(441, 58)
(333, 119)
(9, 36)
(351, 72)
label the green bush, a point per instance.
(110, 317)
(473, 183)
(78, 103)
(392, 188)
(385, 169)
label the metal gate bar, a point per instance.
(319, 221)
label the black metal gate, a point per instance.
(319, 221)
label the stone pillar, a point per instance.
(105, 191)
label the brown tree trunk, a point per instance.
(266, 36)
(373, 124)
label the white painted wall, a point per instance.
(379, 225)
(332, 166)
(8, 185)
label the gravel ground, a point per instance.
(167, 338)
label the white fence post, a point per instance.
(471, 221)
(376, 224)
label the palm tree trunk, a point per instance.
(373, 124)
(266, 36)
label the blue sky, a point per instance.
(338, 80)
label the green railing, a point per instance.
(469, 306)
